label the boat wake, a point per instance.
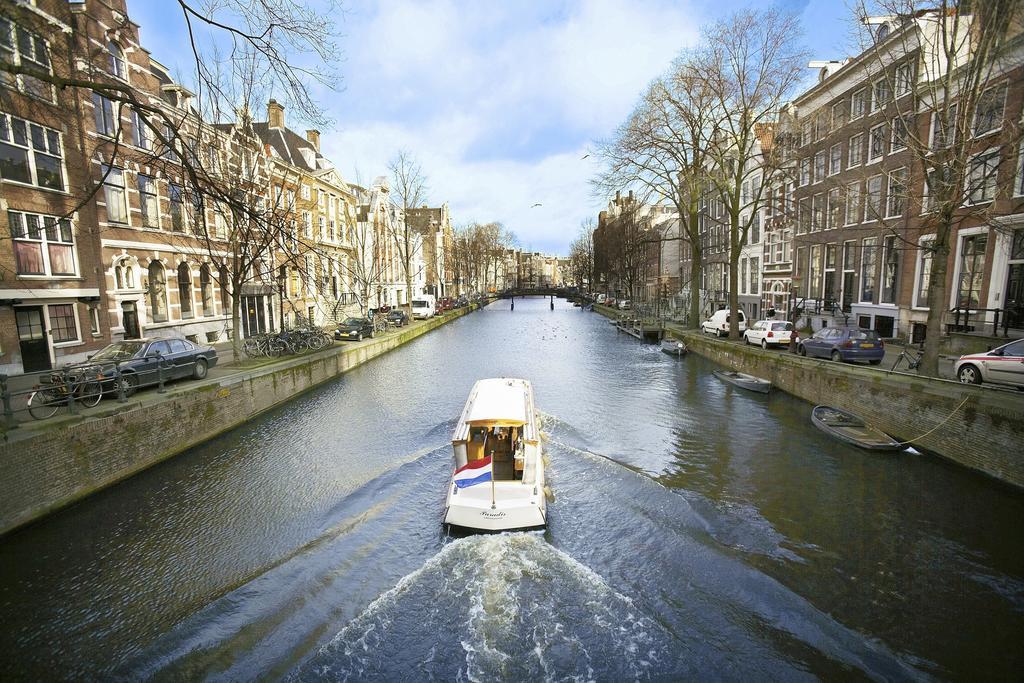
(497, 607)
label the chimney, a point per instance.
(275, 114)
(313, 136)
(617, 194)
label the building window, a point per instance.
(185, 290)
(940, 139)
(873, 200)
(900, 133)
(43, 245)
(755, 272)
(981, 177)
(818, 212)
(814, 272)
(805, 172)
(323, 228)
(21, 47)
(856, 150)
(206, 289)
(876, 145)
(924, 273)
(63, 323)
(890, 270)
(176, 207)
(881, 93)
(743, 276)
(853, 203)
(115, 61)
(835, 159)
(307, 225)
(141, 136)
(988, 116)
(857, 104)
(904, 79)
(1018, 185)
(805, 133)
(819, 166)
(30, 153)
(838, 114)
(94, 321)
(897, 196)
(157, 287)
(148, 201)
(104, 116)
(755, 228)
(972, 270)
(170, 152)
(114, 195)
(198, 209)
(867, 269)
(306, 193)
(124, 275)
(834, 209)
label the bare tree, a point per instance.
(409, 185)
(581, 255)
(661, 151)
(751, 65)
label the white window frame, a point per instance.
(974, 124)
(44, 242)
(106, 173)
(893, 126)
(838, 166)
(806, 169)
(853, 190)
(908, 69)
(31, 152)
(850, 163)
(884, 138)
(1018, 182)
(968, 198)
(954, 288)
(862, 93)
(915, 302)
(889, 192)
(875, 106)
(15, 49)
(822, 156)
(78, 325)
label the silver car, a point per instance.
(1003, 365)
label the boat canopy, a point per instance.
(500, 401)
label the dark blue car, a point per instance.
(844, 344)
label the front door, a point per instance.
(1015, 296)
(130, 320)
(35, 351)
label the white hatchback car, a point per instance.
(1003, 365)
(624, 304)
(768, 332)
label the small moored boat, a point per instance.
(673, 347)
(852, 429)
(744, 381)
(498, 483)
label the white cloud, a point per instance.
(499, 101)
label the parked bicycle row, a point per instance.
(276, 344)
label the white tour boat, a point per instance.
(498, 482)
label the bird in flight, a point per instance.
(584, 157)
(536, 205)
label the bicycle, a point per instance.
(911, 357)
(45, 401)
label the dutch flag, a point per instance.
(476, 472)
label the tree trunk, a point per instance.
(734, 323)
(696, 267)
(937, 298)
(236, 323)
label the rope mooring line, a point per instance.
(918, 438)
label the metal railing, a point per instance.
(966, 319)
(83, 386)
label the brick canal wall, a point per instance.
(42, 471)
(986, 434)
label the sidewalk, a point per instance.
(227, 368)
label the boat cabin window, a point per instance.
(505, 446)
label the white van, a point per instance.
(718, 323)
(424, 306)
(601, 298)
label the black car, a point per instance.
(354, 329)
(398, 317)
(144, 362)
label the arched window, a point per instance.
(129, 277)
(116, 60)
(119, 276)
(157, 292)
(185, 290)
(206, 289)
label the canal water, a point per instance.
(696, 531)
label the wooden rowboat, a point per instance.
(673, 347)
(852, 429)
(744, 381)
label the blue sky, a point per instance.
(499, 101)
